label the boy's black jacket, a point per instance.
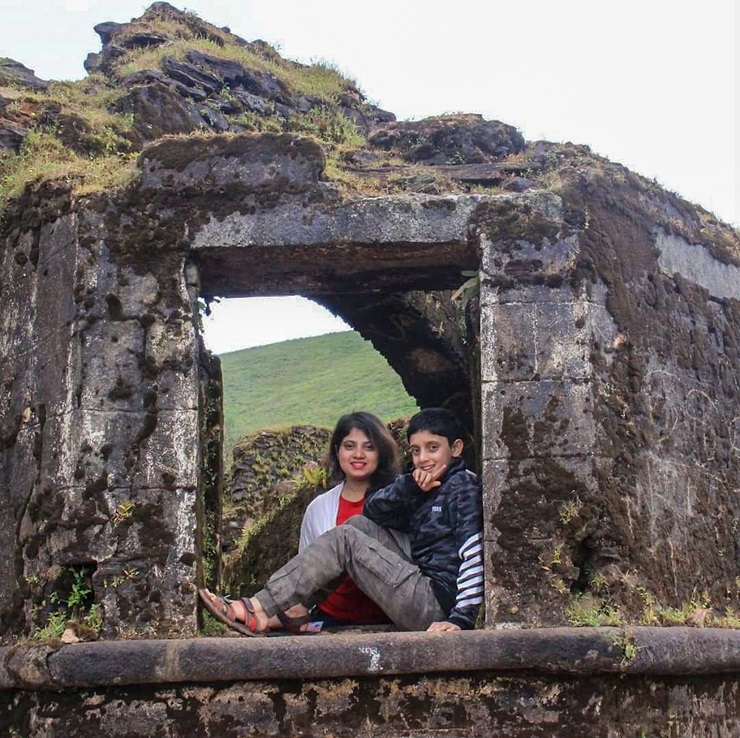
(439, 523)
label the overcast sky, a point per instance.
(648, 83)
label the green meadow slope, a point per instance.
(308, 380)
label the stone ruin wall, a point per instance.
(101, 464)
(610, 372)
(608, 355)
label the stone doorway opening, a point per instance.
(428, 337)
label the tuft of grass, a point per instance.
(569, 510)
(328, 124)
(211, 626)
(92, 93)
(258, 123)
(625, 642)
(124, 511)
(55, 625)
(73, 605)
(44, 157)
(730, 619)
(593, 612)
(320, 80)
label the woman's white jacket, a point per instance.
(320, 515)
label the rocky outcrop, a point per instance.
(206, 91)
(261, 461)
(449, 139)
(14, 73)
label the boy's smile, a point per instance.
(430, 452)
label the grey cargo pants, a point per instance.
(378, 565)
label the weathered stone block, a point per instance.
(539, 514)
(171, 345)
(546, 260)
(535, 341)
(111, 366)
(169, 457)
(269, 160)
(542, 418)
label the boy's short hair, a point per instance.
(437, 420)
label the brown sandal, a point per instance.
(293, 625)
(221, 609)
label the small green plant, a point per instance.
(73, 605)
(696, 612)
(315, 476)
(599, 583)
(211, 626)
(123, 512)
(94, 618)
(570, 510)
(330, 125)
(625, 642)
(587, 610)
(552, 558)
(80, 591)
(730, 620)
(485, 189)
(258, 123)
(55, 625)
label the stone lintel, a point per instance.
(378, 244)
(679, 651)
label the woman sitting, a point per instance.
(362, 457)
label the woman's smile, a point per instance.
(358, 457)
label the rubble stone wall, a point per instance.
(471, 706)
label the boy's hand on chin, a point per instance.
(443, 627)
(427, 481)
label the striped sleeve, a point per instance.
(469, 583)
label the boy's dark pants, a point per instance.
(378, 565)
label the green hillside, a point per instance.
(308, 380)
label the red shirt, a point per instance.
(347, 602)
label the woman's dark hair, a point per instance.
(389, 464)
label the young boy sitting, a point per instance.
(431, 579)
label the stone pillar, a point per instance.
(101, 376)
(537, 418)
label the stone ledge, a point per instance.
(571, 651)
